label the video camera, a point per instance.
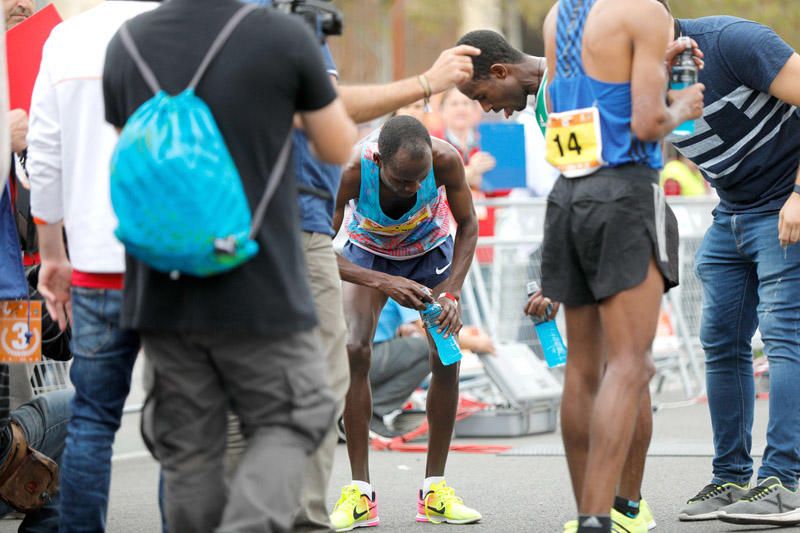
(321, 15)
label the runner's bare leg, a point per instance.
(362, 307)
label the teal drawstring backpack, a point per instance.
(174, 186)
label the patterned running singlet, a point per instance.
(418, 231)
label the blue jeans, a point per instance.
(44, 422)
(749, 280)
(101, 373)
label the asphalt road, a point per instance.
(514, 493)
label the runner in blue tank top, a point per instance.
(503, 79)
(604, 252)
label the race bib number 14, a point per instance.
(20, 343)
(574, 142)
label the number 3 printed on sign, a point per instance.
(18, 344)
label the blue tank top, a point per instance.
(572, 88)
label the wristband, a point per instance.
(449, 297)
(426, 91)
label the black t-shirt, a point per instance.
(270, 68)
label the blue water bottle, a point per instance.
(448, 349)
(555, 353)
(684, 74)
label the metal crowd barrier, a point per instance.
(495, 288)
(494, 292)
(49, 375)
(28, 380)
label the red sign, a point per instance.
(24, 43)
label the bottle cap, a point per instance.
(533, 287)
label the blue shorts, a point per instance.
(430, 269)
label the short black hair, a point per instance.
(665, 3)
(406, 133)
(494, 50)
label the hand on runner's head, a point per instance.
(449, 320)
(677, 46)
(453, 66)
(406, 292)
(537, 306)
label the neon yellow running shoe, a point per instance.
(354, 510)
(571, 527)
(647, 515)
(441, 505)
(626, 524)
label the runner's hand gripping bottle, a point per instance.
(684, 74)
(448, 349)
(555, 353)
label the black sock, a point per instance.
(594, 523)
(627, 507)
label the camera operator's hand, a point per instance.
(453, 66)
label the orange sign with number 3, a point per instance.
(19, 342)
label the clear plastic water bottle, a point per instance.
(448, 349)
(684, 74)
(555, 352)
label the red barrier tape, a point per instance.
(466, 408)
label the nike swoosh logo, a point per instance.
(440, 270)
(435, 510)
(358, 515)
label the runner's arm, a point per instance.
(549, 35)
(449, 171)
(405, 292)
(651, 118)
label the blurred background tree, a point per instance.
(389, 39)
(781, 15)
